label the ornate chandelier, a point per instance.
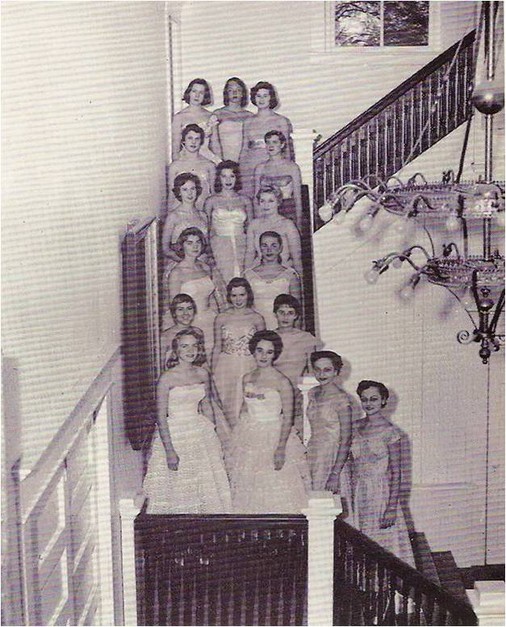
(475, 280)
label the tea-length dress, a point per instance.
(257, 488)
(372, 489)
(200, 485)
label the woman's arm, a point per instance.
(162, 403)
(249, 257)
(394, 482)
(297, 194)
(214, 139)
(218, 339)
(206, 407)
(286, 391)
(175, 283)
(248, 207)
(244, 147)
(208, 210)
(211, 173)
(168, 230)
(259, 170)
(176, 135)
(293, 237)
(260, 323)
(294, 287)
(344, 417)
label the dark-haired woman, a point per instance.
(191, 276)
(329, 412)
(187, 190)
(233, 330)
(229, 213)
(186, 473)
(190, 160)
(197, 96)
(232, 117)
(253, 152)
(268, 471)
(376, 463)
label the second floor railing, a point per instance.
(221, 569)
(403, 124)
(374, 587)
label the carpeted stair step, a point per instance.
(423, 556)
(449, 574)
(488, 572)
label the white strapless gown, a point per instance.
(200, 290)
(257, 488)
(228, 241)
(200, 485)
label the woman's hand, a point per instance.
(279, 458)
(388, 518)
(333, 484)
(172, 459)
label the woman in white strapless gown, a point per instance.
(192, 277)
(270, 278)
(231, 117)
(230, 213)
(268, 470)
(186, 473)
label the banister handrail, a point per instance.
(393, 95)
(403, 571)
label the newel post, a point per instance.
(321, 513)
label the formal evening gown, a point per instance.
(257, 488)
(230, 131)
(266, 290)
(201, 290)
(200, 485)
(371, 489)
(323, 415)
(228, 241)
(234, 361)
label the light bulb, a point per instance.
(325, 212)
(340, 217)
(401, 226)
(365, 223)
(371, 276)
(468, 299)
(406, 293)
(397, 262)
(452, 223)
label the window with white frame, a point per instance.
(380, 24)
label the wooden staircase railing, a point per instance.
(374, 587)
(221, 569)
(396, 129)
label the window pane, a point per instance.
(406, 23)
(358, 23)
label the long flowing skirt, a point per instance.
(200, 485)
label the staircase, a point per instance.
(395, 130)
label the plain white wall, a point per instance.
(84, 141)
